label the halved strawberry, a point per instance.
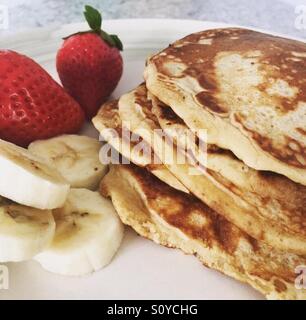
(32, 105)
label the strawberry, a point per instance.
(32, 105)
(89, 64)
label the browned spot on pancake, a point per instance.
(295, 156)
(301, 131)
(207, 81)
(109, 116)
(210, 101)
(283, 104)
(254, 243)
(168, 114)
(214, 149)
(142, 100)
(227, 235)
(289, 104)
(264, 271)
(279, 286)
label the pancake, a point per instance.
(248, 89)
(179, 220)
(108, 123)
(260, 188)
(269, 207)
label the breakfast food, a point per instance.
(75, 157)
(28, 180)
(244, 210)
(89, 64)
(246, 197)
(175, 219)
(32, 105)
(82, 232)
(24, 231)
(88, 234)
(108, 122)
(246, 88)
(47, 208)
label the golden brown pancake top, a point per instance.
(273, 77)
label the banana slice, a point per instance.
(88, 234)
(29, 180)
(75, 157)
(24, 231)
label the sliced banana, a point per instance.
(75, 157)
(29, 180)
(24, 231)
(88, 234)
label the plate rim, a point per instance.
(57, 27)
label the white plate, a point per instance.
(141, 269)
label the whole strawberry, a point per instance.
(32, 105)
(89, 64)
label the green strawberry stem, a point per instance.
(94, 20)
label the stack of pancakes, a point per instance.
(243, 210)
